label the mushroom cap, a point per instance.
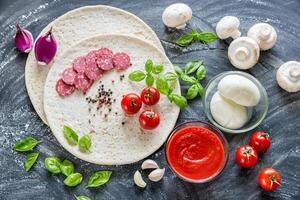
(176, 15)
(264, 34)
(227, 27)
(288, 76)
(243, 52)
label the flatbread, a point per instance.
(74, 26)
(113, 143)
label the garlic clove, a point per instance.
(45, 48)
(156, 175)
(23, 40)
(138, 180)
(149, 164)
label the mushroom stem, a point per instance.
(236, 34)
(265, 33)
(241, 53)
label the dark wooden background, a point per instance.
(18, 119)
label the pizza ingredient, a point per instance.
(30, 160)
(156, 175)
(82, 197)
(99, 178)
(260, 141)
(269, 179)
(45, 48)
(131, 103)
(149, 119)
(246, 156)
(177, 15)
(26, 144)
(121, 60)
(105, 62)
(73, 180)
(138, 179)
(149, 164)
(204, 37)
(85, 143)
(64, 89)
(228, 27)
(23, 40)
(70, 135)
(79, 64)
(243, 52)
(67, 167)
(68, 76)
(93, 72)
(52, 164)
(264, 34)
(82, 82)
(105, 52)
(288, 76)
(150, 96)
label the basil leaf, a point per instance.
(99, 178)
(67, 167)
(82, 197)
(188, 79)
(178, 100)
(158, 69)
(185, 40)
(200, 89)
(162, 86)
(70, 135)
(201, 73)
(85, 143)
(178, 70)
(149, 80)
(192, 66)
(26, 144)
(192, 92)
(206, 37)
(52, 164)
(73, 180)
(170, 76)
(30, 160)
(148, 66)
(137, 75)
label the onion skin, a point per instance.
(45, 48)
(23, 40)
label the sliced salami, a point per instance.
(105, 63)
(121, 60)
(93, 72)
(68, 76)
(91, 56)
(64, 89)
(82, 82)
(105, 52)
(79, 64)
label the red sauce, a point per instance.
(195, 153)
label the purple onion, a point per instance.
(23, 40)
(45, 48)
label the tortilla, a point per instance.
(74, 26)
(112, 142)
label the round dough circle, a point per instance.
(77, 25)
(113, 143)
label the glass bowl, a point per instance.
(212, 128)
(256, 114)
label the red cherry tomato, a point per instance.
(150, 96)
(149, 119)
(246, 156)
(269, 179)
(131, 103)
(260, 141)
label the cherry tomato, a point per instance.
(260, 141)
(246, 156)
(269, 179)
(150, 96)
(149, 119)
(131, 103)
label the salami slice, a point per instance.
(93, 72)
(82, 82)
(68, 76)
(91, 56)
(64, 89)
(79, 64)
(121, 60)
(105, 52)
(105, 63)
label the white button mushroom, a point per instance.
(264, 34)
(177, 15)
(243, 52)
(228, 27)
(288, 76)
(227, 113)
(239, 89)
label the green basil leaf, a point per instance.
(26, 144)
(52, 164)
(200, 89)
(82, 197)
(201, 73)
(178, 70)
(192, 92)
(162, 86)
(170, 76)
(30, 160)
(192, 66)
(137, 76)
(99, 178)
(149, 80)
(73, 180)
(206, 37)
(179, 100)
(148, 66)
(85, 143)
(67, 167)
(194, 32)
(70, 135)
(158, 69)
(185, 40)
(188, 79)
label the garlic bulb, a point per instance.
(177, 15)
(156, 175)
(149, 164)
(288, 76)
(23, 40)
(138, 180)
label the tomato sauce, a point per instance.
(195, 153)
